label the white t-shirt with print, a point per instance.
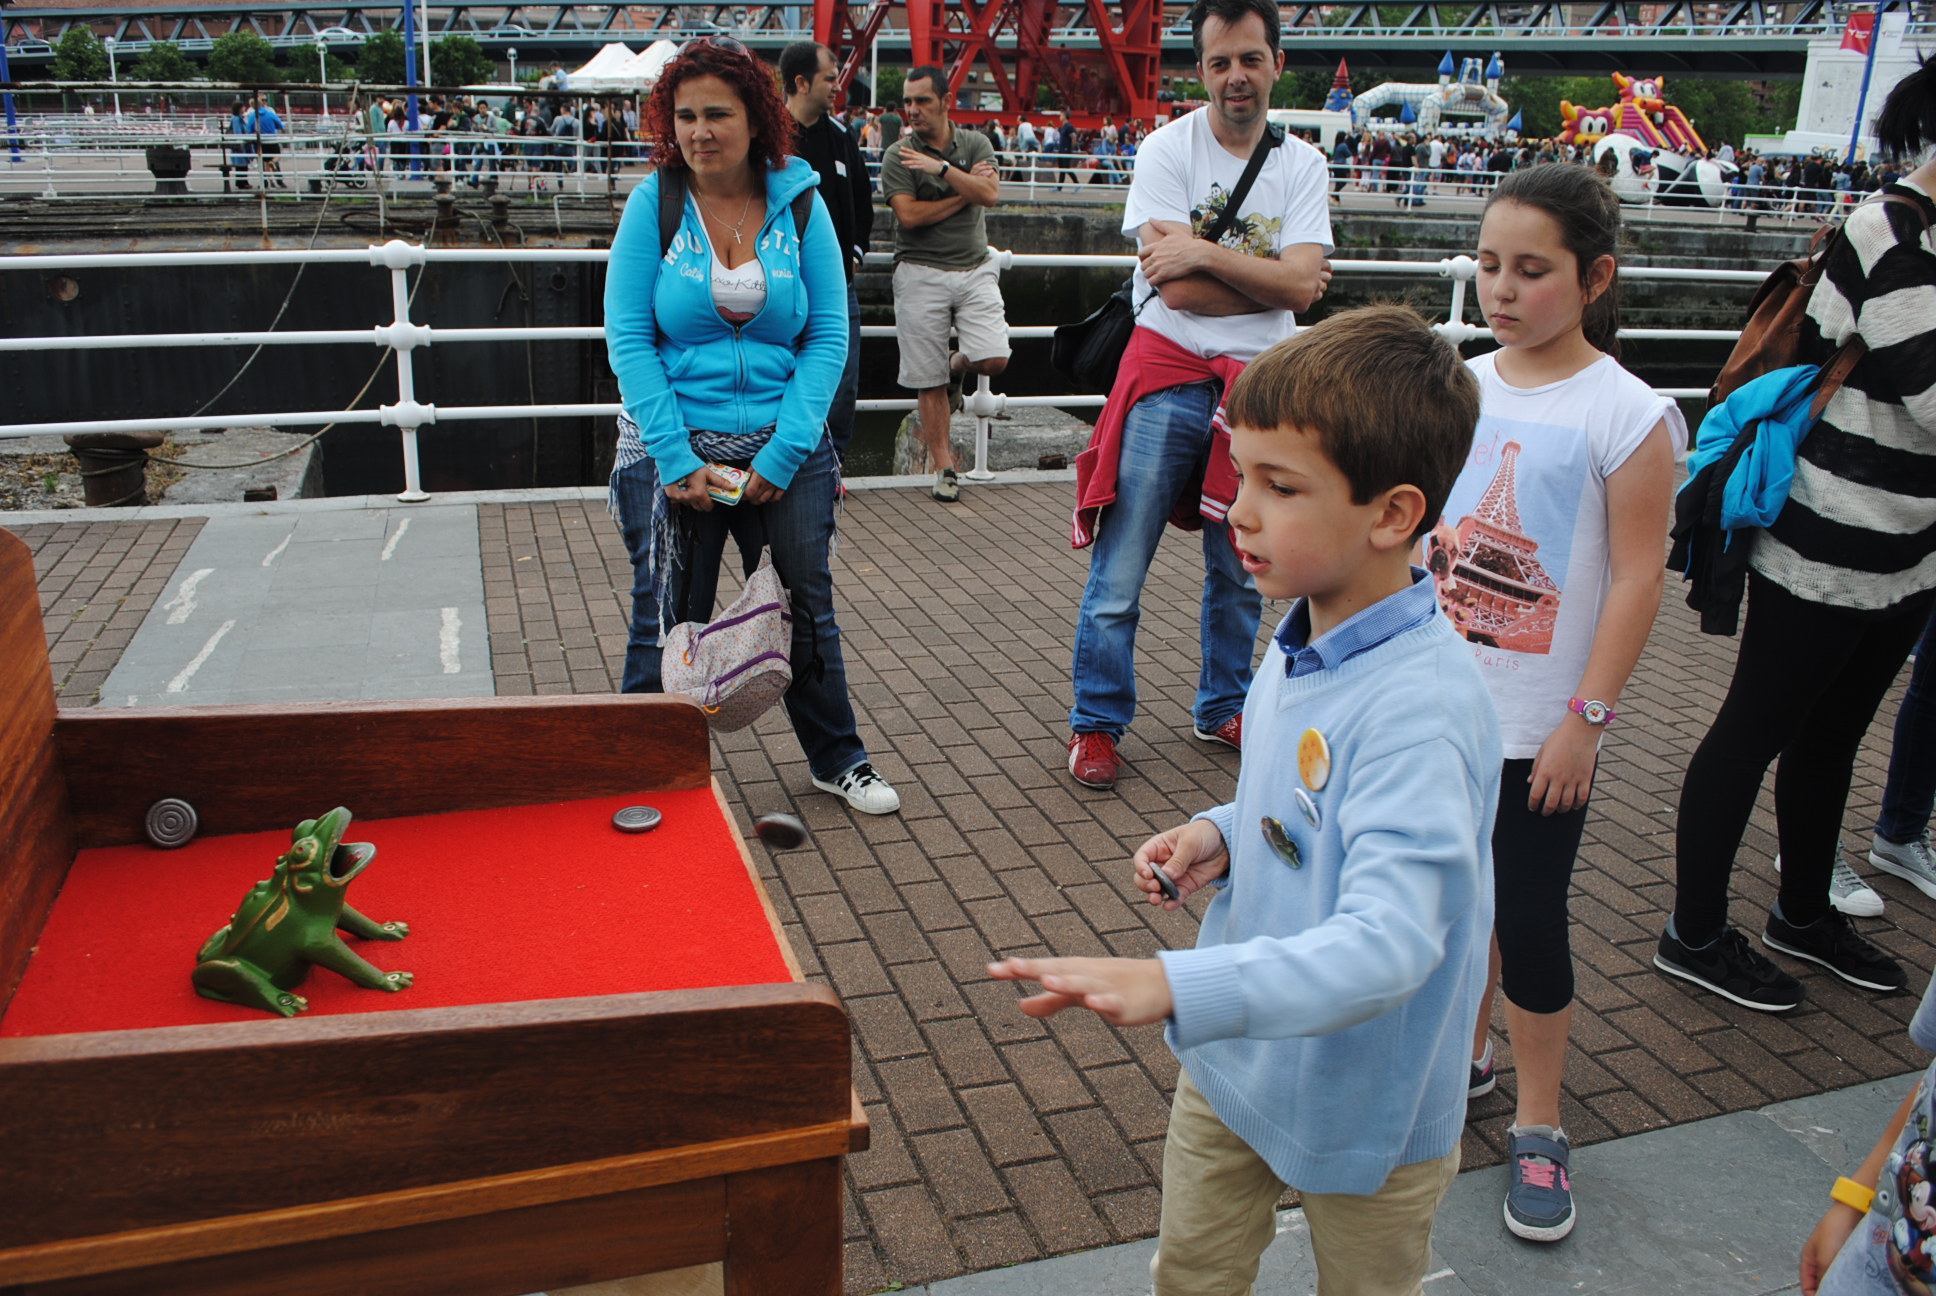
(1520, 554)
(1182, 174)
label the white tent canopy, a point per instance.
(618, 67)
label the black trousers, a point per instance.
(1807, 682)
(1532, 870)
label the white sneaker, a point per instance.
(1912, 862)
(1847, 891)
(864, 790)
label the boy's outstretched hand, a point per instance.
(1193, 855)
(1123, 992)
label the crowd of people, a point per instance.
(1419, 744)
(1812, 186)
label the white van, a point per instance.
(1302, 121)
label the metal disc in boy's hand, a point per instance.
(1168, 883)
(171, 822)
(636, 819)
(780, 831)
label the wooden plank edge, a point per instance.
(759, 887)
(408, 1025)
(860, 1130)
(107, 1253)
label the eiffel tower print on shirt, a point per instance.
(1490, 581)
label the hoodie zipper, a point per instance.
(739, 343)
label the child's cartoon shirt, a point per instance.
(1184, 175)
(1893, 1249)
(1521, 554)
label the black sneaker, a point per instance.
(1731, 968)
(1830, 941)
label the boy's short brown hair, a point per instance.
(1389, 400)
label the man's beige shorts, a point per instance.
(927, 302)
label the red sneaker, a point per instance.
(1230, 733)
(1093, 761)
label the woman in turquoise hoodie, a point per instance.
(728, 343)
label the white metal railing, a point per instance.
(401, 337)
(343, 161)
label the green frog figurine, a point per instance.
(289, 920)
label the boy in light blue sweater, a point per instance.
(1324, 1019)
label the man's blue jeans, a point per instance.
(840, 415)
(1166, 444)
(1910, 791)
(799, 527)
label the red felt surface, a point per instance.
(535, 902)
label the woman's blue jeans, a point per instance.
(1166, 445)
(799, 528)
(1910, 791)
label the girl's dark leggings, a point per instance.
(1532, 869)
(1807, 682)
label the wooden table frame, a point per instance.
(494, 1149)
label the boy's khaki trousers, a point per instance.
(1218, 1197)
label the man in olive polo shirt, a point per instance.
(939, 181)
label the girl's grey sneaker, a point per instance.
(1484, 1079)
(1913, 862)
(1539, 1202)
(1847, 891)
(863, 789)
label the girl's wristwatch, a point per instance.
(1593, 712)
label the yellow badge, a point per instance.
(1314, 760)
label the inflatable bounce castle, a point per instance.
(1641, 112)
(1472, 98)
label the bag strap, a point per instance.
(1273, 136)
(672, 207)
(1834, 373)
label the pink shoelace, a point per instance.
(1539, 1172)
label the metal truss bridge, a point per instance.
(1101, 58)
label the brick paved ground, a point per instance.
(998, 1138)
(97, 582)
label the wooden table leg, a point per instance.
(784, 1230)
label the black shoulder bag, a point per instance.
(1090, 351)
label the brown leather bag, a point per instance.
(1771, 339)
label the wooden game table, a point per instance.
(480, 1149)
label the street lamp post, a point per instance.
(6, 74)
(110, 42)
(322, 76)
(513, 52)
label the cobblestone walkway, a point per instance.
(1000, 1139)
(97, 582)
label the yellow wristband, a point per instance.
(1850, 1193)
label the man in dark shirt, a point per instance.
(808, 72)
(1404, 157)
(1814, 178)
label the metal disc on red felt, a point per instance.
(636, 819)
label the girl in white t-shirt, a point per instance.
(1548, 558)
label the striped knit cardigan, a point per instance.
(1859, 528)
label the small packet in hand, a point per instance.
(737, 476)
